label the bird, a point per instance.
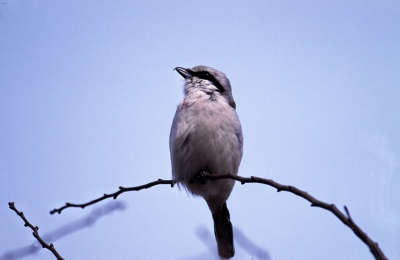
(206, 138)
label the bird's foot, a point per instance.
(201, 177)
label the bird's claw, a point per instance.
(201, 177)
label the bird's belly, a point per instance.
(214, 148)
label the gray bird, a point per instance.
(206, 138)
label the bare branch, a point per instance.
(347, 220)
(35, 232)
(113, 195)
(374, 247)
(88, 221)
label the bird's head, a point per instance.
(206, 78)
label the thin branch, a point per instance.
(347, 220)
(113, 195)
(77, 225)
(35, 232)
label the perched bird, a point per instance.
(206, 138)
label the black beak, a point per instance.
(186, 73)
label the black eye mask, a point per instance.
(208, 76)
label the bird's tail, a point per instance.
(223, 233)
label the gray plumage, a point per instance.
(206, 137)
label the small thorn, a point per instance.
(347, 211)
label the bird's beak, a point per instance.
(186, 73)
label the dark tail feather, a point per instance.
(223, 233)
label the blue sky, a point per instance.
(88, 93)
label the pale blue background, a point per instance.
(88, 93)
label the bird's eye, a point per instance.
(205, 75)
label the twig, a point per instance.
(113, 195)
(35, 232)
(67, 229)
(348, 221)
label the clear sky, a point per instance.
(88, 93)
